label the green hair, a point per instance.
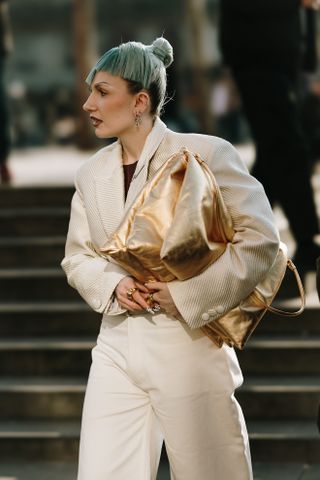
(142, 66)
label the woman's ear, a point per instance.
(142, 101)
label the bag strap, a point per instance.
(286, 313)
(290, 263)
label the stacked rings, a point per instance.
(154, 306)
(130, 292)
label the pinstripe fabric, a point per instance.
(99, 205)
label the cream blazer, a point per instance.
(98, 206)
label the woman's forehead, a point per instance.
(106, 78)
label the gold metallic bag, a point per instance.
(176, 227)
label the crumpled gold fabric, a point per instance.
(176, 227)
(235, 327)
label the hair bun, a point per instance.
(162, 49)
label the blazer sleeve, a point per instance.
(93, 276)
(246, 259)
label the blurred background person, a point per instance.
(263, 43)
(5, 48)
(310, 114)
(226, 108)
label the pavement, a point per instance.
(67, 471)
(46, 166)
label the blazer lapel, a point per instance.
(109, 180)
(140, 176)
(109, 188)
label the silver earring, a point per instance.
(138, 119)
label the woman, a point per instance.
(158, 377)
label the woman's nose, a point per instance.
(88, 106)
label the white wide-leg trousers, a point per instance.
(154, 379)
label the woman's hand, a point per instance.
(131, 301)
(162, 296)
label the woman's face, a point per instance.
(110, 105)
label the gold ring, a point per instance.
(150, 297)
(130, 292)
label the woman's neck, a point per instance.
(133, 142)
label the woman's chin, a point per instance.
(103, 133)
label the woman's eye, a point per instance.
(103, 94)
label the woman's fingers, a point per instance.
(124, 293)
(154, 285)
(141, 287)
(161, 295)
(135, 302)
(130, 305)
(140, 300)
(132, 295)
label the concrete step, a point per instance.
(31, 284)
(45, 318)
(285, 471)
(35, 196)
(307, 323)
(45, 356)
(262, 356)
(70, 316)
(38, 469)
(34, 221)
(281, 355)
(48, 318)
(32, 252)
(39, 439)
(45, 470)
(284, 441)
(290, 441)
(41, 397)
(62, 397)
(280, 397)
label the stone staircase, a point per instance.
(47, 332)
(281, 393)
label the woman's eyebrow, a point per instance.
(99, 83)
(95, 85)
